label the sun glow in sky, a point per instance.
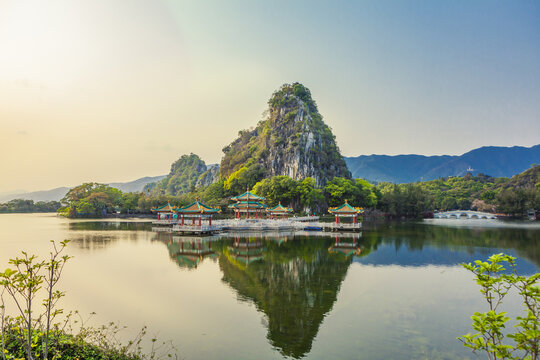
(99, 90)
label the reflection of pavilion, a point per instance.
(261, 235)
(279, 211)
(246, 250)
(189, 252)
(345, 245)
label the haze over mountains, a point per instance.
(58, 193)
(495, 161)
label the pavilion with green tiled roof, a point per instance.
(165, 212)
(197, 210)
(248, 203)
(279, 210)
(345, 211)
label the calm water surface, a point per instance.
(394, 292)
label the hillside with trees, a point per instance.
(512, 196)
(188, 172)
(292, 141)
(411, 200)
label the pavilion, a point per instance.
(279, 210)
(248, 203)
(197, 211)
(346, 211)
(165, 212)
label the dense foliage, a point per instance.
(481, 192)
(405, 200)
(358, 192)
(91, 199)
(29, 206)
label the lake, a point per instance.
(395, 291)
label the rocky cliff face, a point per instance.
(293, 140)
(210, 176)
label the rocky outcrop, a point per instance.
(293, 140)
(210, 176)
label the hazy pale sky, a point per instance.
(102, 90)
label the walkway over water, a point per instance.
(457, 214)
(256, 225)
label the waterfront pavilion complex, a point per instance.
(346, 211)
(165, 212)
(248, 204)
(197, 211)
(279, 210)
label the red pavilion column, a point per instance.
(200, 220)
(210, 221)
(182, 221)
(193, 220)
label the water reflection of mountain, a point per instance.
(294, 283)
(420, 245)
(97, 235)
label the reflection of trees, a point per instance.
(93, 235)
(109, 225)
(525, 242)
(295, 283)
(93, 241)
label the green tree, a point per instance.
(311, 197)
(495, 284)
(91, 199)
(340, 189)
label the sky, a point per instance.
(107, 91)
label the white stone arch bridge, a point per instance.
(463, 214)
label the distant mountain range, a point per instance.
(490, 160)
(58, 193)
(136, 185)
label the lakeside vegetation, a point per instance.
(483, 193)
(513, 197)
(41, 331)
(29, 206)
